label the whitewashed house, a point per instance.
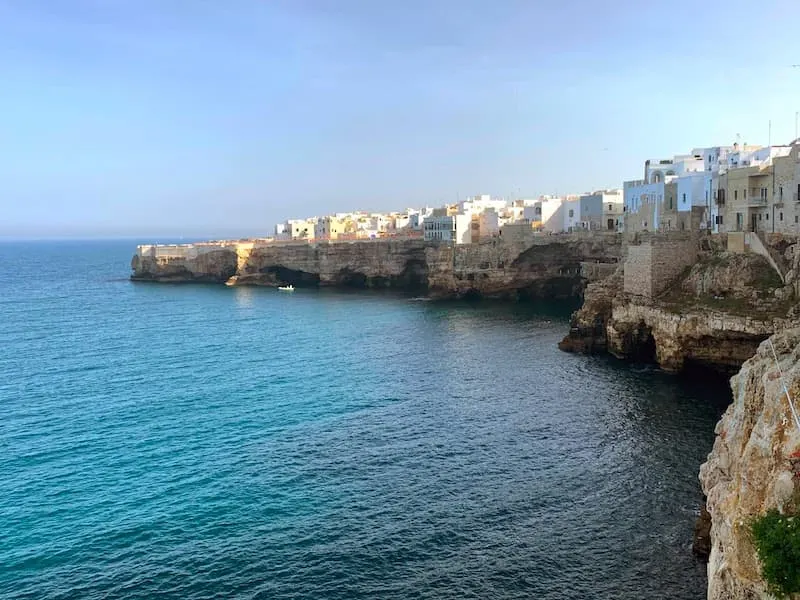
(448, 228)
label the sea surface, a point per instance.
(196, 441)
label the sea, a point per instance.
(187, 441)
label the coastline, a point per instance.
(712, 309)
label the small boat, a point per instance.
(286, 288)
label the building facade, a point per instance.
(448, 228)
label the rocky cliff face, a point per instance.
(749, 470)
(549, 267)
(588, 329)
(210, 267)
(378, 264)
(715, 315)
(545, 267)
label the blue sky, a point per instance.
(202, 117)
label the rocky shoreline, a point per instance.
(714, 315)
(726, 312)
(544, 267)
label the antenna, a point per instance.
(769, 135)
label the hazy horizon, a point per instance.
(180, 118)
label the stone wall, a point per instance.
(656, 262)
(597, 271)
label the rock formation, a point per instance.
(543, 267)
(213, 266)
(715, 314)
(749, 470)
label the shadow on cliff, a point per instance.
(413, 278)
(285, 276)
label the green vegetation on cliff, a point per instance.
(777, 540)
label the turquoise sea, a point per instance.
(194, 441)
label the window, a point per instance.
(609, 208)
(735, 194)
(571, 213)
(781, 216)
(684, 198)
(745, 193)
(766, 217)
(670, 202)
(795, 218)
(759, 216)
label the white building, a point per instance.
(477, 204)
(592, 208)
(571, 210)
(552, 214)
(417, 217)
(282, 232)
(298, 229)
(450, 228)
(402, 221)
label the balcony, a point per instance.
(756, 197)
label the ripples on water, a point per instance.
(174, 441)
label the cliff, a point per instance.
(715, 313)
(548, 267)
(210, 265)
(542, 267)
(750, 469)
(367, 264)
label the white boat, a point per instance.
(286, 288)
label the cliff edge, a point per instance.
(542, 267)
(750, 469)
(713, 313)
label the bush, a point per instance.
(777, 541)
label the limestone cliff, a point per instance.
(213, 266)
(588, 329)
(547, 267)
(374, 264)
(715, 314)
(542, 267)
(749, 470)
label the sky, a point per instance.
(210, 118)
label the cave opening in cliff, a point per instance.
(643, 345)
(285, 276)
(352, 279)
(414, 276)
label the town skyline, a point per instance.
(157, 118)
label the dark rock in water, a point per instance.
(701, 543)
